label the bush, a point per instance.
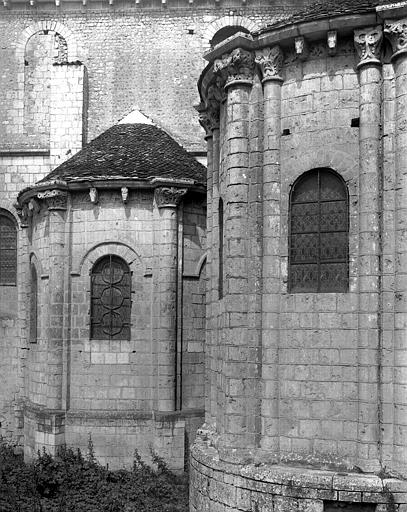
(70, 482)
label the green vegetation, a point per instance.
(71, 482)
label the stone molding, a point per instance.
(396, 33)
(237, 67)
(270, 61)
(368, 44)
(169, 197)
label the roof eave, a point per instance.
(77, 185)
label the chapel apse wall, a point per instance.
(300, 379)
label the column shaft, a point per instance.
(400, 334)
(55, 326)
(271, 262)
(369, 264)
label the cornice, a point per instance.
(36, 191)
(288, 36)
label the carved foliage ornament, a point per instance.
(236, 66)
(368, 42)
(55, 199)
(270, 61)
(397, 34)
(169, 196)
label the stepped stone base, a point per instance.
(217, 486)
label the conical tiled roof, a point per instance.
(130, 151)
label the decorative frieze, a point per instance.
(55, 199)
(169, 197)
(396, 33)
(368, 43)
(237, 66)
(270, 62)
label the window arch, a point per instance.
(33, 304)
(8, 249)
(110, 299)
(226, 32)
(318, 237)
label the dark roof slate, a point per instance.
(328, 8)
(135, 151)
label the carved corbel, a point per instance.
(368, 43)
(125, 194)
(270, 62)
(169, 197)
(237, 66)
(301, 47)
(396, 33)
(332, 42)
(54, 199)
(93, 195)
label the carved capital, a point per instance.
(205, 120)
(55, 199)
(396, 33)
(169, 197)
(368, 44)
(237, 66)
(270, 61)
(22, 212)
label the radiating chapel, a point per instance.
(115, 246)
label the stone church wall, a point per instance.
(136, 58)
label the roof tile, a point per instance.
(136, 151)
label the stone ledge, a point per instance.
(304, 485)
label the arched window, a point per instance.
(8, 249)
(110, 299)
(221, 243)
(318, 239)
(33, 304)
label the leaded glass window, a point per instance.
(8, 250)
(33, 304)
(110, 299)
(318, 241)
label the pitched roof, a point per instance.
(324, 8)
(135, 151)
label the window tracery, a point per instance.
(110, 299)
